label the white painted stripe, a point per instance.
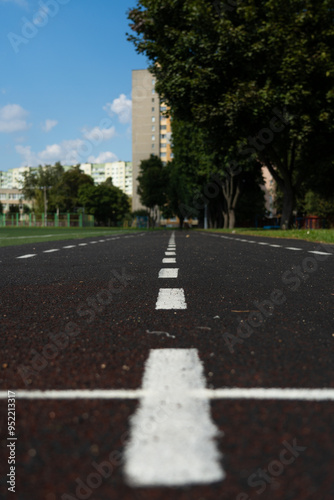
(75, 394)
(102, 241)
(262, 243)
(293, 248)
(169, 273)
(322, 394)
(70, 246)
(83, 244)
(51, 251)
(169, 260)
(170, 253)
(303, 394)
(28, 256)
(172, 436)
(276, 246)
(171, 298)
(92, 242)
(319, 253)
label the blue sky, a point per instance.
(65, 84)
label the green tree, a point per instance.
(67, 189)
(106, 202)
(41, 185)
(258, 77)
(152, 185)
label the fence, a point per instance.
(51, 220)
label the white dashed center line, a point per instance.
(52, 250)
(169, 273)
(172, 437)
(169, 260)
(319, 253)
(171, 298)
(70, 246)
(28, 256)
(293, 248)
(170, 253)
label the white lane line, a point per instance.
(169, 260)
(28, 256)
(273, 393)
(92, 242)
(293, 248)
(323, 394)
(169, 273)
(262, 243)
(171, 298)
(276, 246)
(70, 246)
(319, 253)
(51, 251)
(76, 394)
(83, 244)
(170, 253)
(172, 436)
(102, 241)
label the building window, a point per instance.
(153, 137)
(153, 91)
(162, 136)
(152, 99)
(153, 119)
(153, 146)
(163, 108)
(153, 128)
(163, 127)
(153, 109)
(163, 155)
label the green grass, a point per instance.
(316, 235)
(20, 235)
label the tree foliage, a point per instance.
(106, 202)
(152, 185)
(259, 77)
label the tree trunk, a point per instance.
(231, 219)
(288, 204)
(225, 215)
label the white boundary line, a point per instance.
(263, 393)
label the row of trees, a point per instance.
(73, 191)
(248, 84)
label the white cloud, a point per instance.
(67, 152)
(97, 134)
(13, 118)
(49, 125)
(105, 157)
(122, 107)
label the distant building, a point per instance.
(119, 171)
(151, 130)
(12, 198)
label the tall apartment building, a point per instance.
(151, 130)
